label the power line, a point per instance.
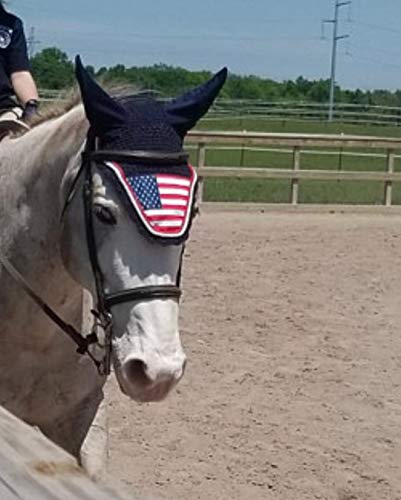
(200, 36)
(336, 38)
(380, 28)
(368, 48)
(379, 62)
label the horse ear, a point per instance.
(186, 110)
(102, 111)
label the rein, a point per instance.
(83, 342)
(105, 302)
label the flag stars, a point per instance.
(146, 190)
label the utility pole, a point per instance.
(31, 42)
(336, 38)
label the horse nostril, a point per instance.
(135, 370)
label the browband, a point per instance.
(143, 156)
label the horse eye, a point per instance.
(105, 215)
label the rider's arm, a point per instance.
(24, 86)
(18, 66)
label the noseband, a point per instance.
(105, 301)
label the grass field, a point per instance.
(278, 191)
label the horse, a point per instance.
(99, 198)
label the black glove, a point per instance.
(30, 110)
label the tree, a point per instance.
(303, 85)
(320, 91)
(290, 90)
(52, 69)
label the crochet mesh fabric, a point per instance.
(146, 129)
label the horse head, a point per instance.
(140, 205)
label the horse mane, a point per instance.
(73, 98)
(57, 108)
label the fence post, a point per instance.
(296, 165)
(201, 163)
(388, 186)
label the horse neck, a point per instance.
(56, 148)
(34, 166)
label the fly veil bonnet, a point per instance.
(155, 179)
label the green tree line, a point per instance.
(53, 69)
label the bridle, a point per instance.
(104, 301)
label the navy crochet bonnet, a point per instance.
(146, 128)
(162, 195)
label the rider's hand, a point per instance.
(30, 110)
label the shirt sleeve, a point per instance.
(18, 54)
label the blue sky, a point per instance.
(278, 39)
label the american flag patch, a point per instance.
(162, 201)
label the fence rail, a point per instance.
(297, 142)
(250, 109)
(255, 109)
(33, 468)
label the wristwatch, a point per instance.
(30, 109)
(32, 103)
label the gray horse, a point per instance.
(43, 380)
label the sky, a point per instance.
(277, 39)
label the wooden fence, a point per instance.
(297, 142)
(34, 468)
(255, 109)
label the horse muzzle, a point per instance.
(150, 380)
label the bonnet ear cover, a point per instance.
(103, 112)
(183, 112)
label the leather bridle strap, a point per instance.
(143, 293)
(89, 229)
(82, 342)
(138, 156)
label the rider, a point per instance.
(15, 77)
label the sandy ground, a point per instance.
(292, 326)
